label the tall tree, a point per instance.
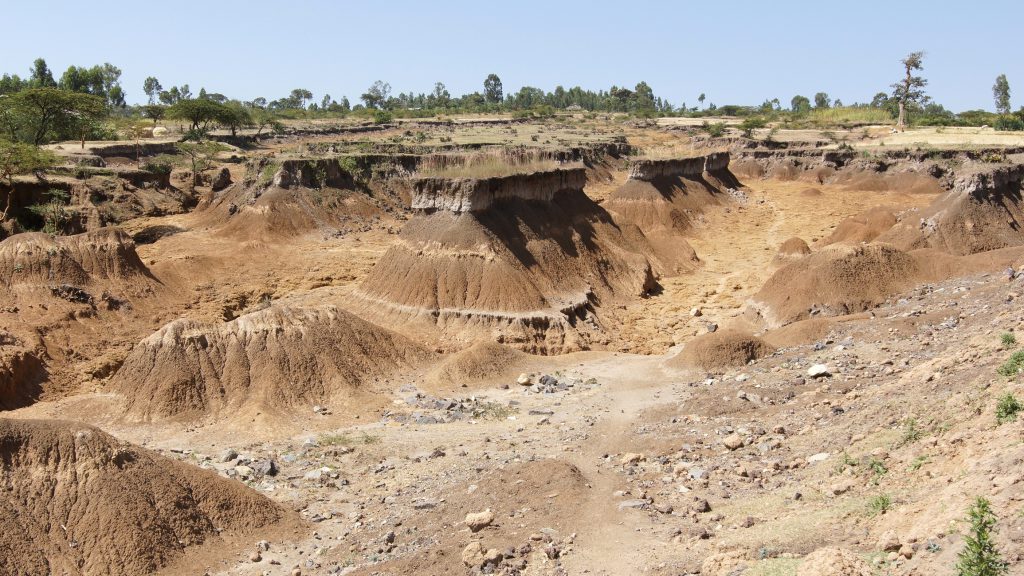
(41, 76)
(377, 94)
(1001, 93)
(493, 90)
(299, 96)
(152, 88)
(910, 90)
(822, 100)
(701, 99)
(60, 112)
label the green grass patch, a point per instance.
(1013, 365)
(1007, 408)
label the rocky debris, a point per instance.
(888, 542)
(221, 180)
(733, 441)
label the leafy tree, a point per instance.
(439, 98)
(643, 101)
(750, 124)
(493, 90)
(980, 556)
(45, 111)
(263, 119)
(54, 212)
(199, 112)
(881, 100)
(377, 94)
(41, 77)
(199, 155)
(151, 86)
(1001, 93)
(234, 116)
(17, 158)
(103, 81)
(9, 84)
(821, 100)
(701, 99)
(259, 102)
(800, 104)
(155, 112)
(299, 96)
(326, 101)
(344, 104)
(170, 96)
(910, 90)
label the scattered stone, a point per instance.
(889, 542)
(228, 455)
(479, 520)
(733, 441)
(473, 554)
(525, 379)
(818, 371)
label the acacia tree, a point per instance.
(910, 90)
(493, 90)
(1001, 93)
(800, 104)
(200, 156)
(199, 112)
(42, 110)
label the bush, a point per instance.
(879, 504)
(980, 556)
(717, 129)
(1013, 365)
(382, 117)
(750, 124)
(1008, 339)
(1007, 408)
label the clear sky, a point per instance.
(739, 52)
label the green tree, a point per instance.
(800, 104)
(41, 77)
(154, 112)
(643, 99)
(980, 556)
(151, 86)
(910, 90)
(701, 99)
(234, 117)
(199, 156)
(440, 98)
(17, 158)
(46, 112)
(299, 97)
(822, 100)
(54, 212)
(1001, 93)
(199, 112)
(494, 92)
(377, 94)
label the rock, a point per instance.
(255, 556)
(634, 504)
(228, 455)
(477, 521)
(833, 562)
(696, 312)
(263, 546)
(631, 458)
(525, 380)
(712, 327)
(266, 467)
(473, 554)
(842, 486)
(221, 180)
(700, 505)
(889, 542)
(243, 471)
(493, 556)
(733, 441)
(818, 371)
(907, 551)
(819, 457)
(698, 473)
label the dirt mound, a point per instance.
(864, 227)
(794, 247)
(481, 363)
(78, 501)
(983, 211)
(721, 349)
(842, 279)
(543, 496)
(810, 192)
(270, 360)
(833, 562)
(107, 254)
(665, 198)
(525, 271)
(834, 281)
(798, 333)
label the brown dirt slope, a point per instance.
(272, 359)
(107, 254)
(78, 501)
(721, 349)
(481, 363)
(525, 271)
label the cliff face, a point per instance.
(648, 170)
(471, 195)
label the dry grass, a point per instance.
(850, 115)
(487, 166)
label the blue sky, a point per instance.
(737, 52)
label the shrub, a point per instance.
(1008, 339)
(1013, 365)
(879, 504)
(980, 556)
(750, 124)
(382, 117)
(1007, 408)
(717, 129)
(911, 433)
